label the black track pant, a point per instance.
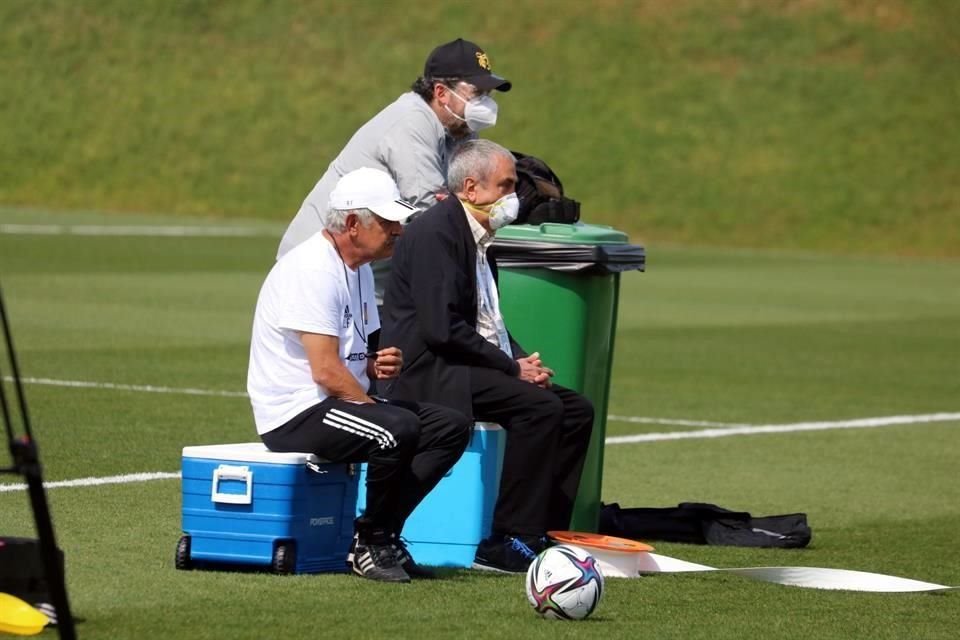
(548, 432)
(408, 449)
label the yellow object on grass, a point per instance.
(19, 618)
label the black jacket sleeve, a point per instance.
(439, 285)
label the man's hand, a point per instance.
(532, 370)
(387, 363)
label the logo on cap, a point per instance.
(483, 60)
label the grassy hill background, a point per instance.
(814, 124)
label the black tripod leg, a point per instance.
(51, 559)
(27, 462)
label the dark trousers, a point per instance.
(548, 431)
(408, 449)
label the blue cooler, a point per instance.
(445, 529)
(246, 505)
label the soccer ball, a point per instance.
(564, 583)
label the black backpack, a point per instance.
(22, 572)
(541, 193)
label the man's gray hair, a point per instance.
(336, 219)
(474, 159)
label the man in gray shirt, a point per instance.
(412, 138)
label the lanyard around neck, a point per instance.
(346, 281)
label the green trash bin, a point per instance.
(559, 289)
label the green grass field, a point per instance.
(733, 336)
(812, 124)
(818, 136)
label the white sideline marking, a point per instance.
(129, 387)
(738, 430)
(131, 230)
(682, 423)
(716, 430)
(745, 430)
(643, 437)
(91, 482)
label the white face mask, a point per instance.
(479, 113)
(504, 211)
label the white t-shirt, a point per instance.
(308, 290)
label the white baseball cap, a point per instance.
(372, 189)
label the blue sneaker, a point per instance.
(507, 554)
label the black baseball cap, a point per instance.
(463, 59)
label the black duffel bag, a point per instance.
(703, 523)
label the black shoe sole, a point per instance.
(486, 567)
(397, 580)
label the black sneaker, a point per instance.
(375, 560)
(406, 561)
(507, 554)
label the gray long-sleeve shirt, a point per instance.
(406, 140)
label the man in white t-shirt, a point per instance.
(313, 353)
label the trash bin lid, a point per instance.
(588, 248)
(578, 233)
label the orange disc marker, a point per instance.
(597, 541)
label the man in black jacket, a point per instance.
(442, 309)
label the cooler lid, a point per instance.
(248, 452)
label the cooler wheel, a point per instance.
(182, 561)
(284, 557)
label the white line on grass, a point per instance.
(679, 423)
(716, 430)
(746, 430)
(146, 388)
(91, 482)
(738, 430)
(132, 230)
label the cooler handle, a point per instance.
(228, 472)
